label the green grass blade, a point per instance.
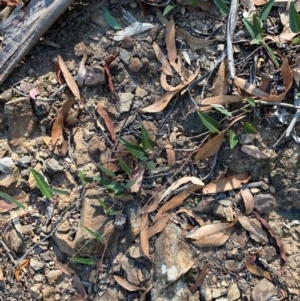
(124, 166)
(249, 129)
(111, 21)
(222, 110)
(11, 199)
(271, 54)
(294, 19)
(251, 101)
(136, 150)
(257, 24)
(43, 186)
(250, 28)
(211, 124)
(266, 10)
(147, 142)
(106, 171)
(168, 8)
(59, 191)
(94, 234)
(222, 7)
(87, 261)
(233, 139)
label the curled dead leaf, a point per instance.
(108, 122)
(107, 63)
(144, 234)
(170, 43)
(127, 285)
(137, 177)
(219, 86)
(248, 200)
(256, 270)
(219, 100)
(159, 226)
(166, 67)
(170, 154)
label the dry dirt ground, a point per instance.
(37, 246)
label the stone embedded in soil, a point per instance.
(52, 166)
(124, 56)
(132, 228)
(263, 290)
(65, 245)
(255, 152)
(246, 138)
(125, 101)
(95, 75)
(127, 43)
(15, 239)
(264, 203)
(95, 147)
(9, 173)
(53, 276)
(130, 271)
(145, 63)
(49, 293)
(36, 264)
(81, 150)
(233, 292)
(135, 65)
(5, 96)
(140, 92)
(20, 120)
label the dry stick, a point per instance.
(231, 23)
(296, 116)
(280, 104)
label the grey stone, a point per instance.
(264, 203)
(15, 239)
(95, 75)
(139, 92)
(24, 161)
(246, 138)
(53, 276)
(36, 265)
(6, 96)
(41, 108)
(125, 101)
(206, 294)
(233, 292)
(7, 165)
(124, 56)
(51, 166)
(263, 290)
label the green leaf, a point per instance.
(271, 54)
(115, 212)
(194, 3)
(59, 191)
(95, 234)
(266, 10)
(84, 179)
(136, 150)
(88, 261)
(129, 184)
(111, 186)
(147, 142)
(221, 109)
(106, 171)
(168, 8)
(294, 19)
(222, 7)
(43, 186)
(233, 140)
(124, 166)
(251, 101)
(211, 124)
(250, 28)
(257, 28)
(249, 129)
(151, 165)
(11, 199)
(296, 41)
(111, 21)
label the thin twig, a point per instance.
(280, 104)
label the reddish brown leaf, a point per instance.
(166, 68)
(137, 177)
(191, 213)
(170, 43)
(107, 62)
(152, 206)
(253, 269)
(165, 85)
(248, 200)
(127, 285)
(58, 74)
(144, 234)
(170, 154)
(68, 78)
(108, 122)
(249, 88)
(225, 184)
(80, 286)
(199, 279)
(19, 270)
(271, 231)
(220, 83)
(158, 226)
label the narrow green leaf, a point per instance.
(266, 10)
(136, 150)
(233, 139)
(129, 184)
(11, 199)
(194, 3)
(115, 212)
(251, 101)
(221, 109)
(124, 166)
(105, 207)
(84, 179)
(296, 40)
(95, 234)
(111, 186)
(294, 19)
(106, 171)
(211, 124)
(271, 54)
(168, 8)
(249, 129)
(222, 7)
(59, 191)
(147, 142)
(257, 28)
(87, 261)
(111, 21)
(250, 28)
(151, 165)
(43, 186)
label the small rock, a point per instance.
(53, 276)
(95, 75)
(24, 161)
(2, 121)
(255, 152)
(36, 289)
(206, 294)
(15, 238)
(65, 245)
(218, 292)
(264, 203)
(135, 251)
(125, 101)
(95, 146)
(127, 43)
(233, 292)
(81, 150)
(64, 227)
(139, 92)
(5, 96)
(129, 269)
(51, 166)
(153, 33)
(268, 253)
(135, 65)
(36, 265)
(124, 56)
(48, 293)
(230, 265)
(41, 108)
(219, 210)
(263, 290)
(145, 63)
(246, 138)
(205, 206)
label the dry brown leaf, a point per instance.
(182, 181)
(259, 2)
(108, 122)
(151, 207)
(77, 299)
(248, 200)
(219, 100)
(58, 74)
(219, 86)
(213, 240)
(80, 286)
(124, 123)
(255, 232)
(249, 88)
(137, 177)
(57, 127)
(253, 269)
(211, 147)
(296, 71)
(170, 44)
(193, 42)
(165, 85)
(225, 184)
(2, 282)
(170, 154)
(191, 213)
(107, 62)
(161, 102)
(64, 268)
(175, 201)
(68, 78)
(144, 234)
(159, 226)
(272, 233)
(19, 273)
(127, 285)
(166, 67)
